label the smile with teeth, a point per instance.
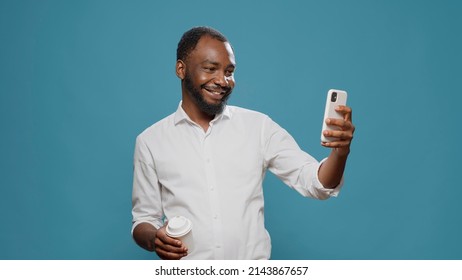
(215, 92)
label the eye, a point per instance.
(229, 72)
(210, 69)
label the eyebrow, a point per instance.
(217, 64)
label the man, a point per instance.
(207, 162)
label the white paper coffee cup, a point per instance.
(180, 227)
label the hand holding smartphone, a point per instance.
(335, 98)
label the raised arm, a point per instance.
(331, 171)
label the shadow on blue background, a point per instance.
(79, 80)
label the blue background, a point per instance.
(79, 80)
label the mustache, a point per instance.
(224, 90)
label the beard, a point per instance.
(204, 106)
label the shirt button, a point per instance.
(217, 246)
(215, 217)
(211, 188)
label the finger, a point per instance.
(168, 243)
(162, 235)
(340, 134)
(175, 247)
(166, 255)
(347, 112)
(336, 122)
(344, 125)
(336, 144)
(169, 240)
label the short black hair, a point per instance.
(190, 38)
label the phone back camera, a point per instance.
(333, 98)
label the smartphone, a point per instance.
(335, 97)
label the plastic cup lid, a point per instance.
(178, 226)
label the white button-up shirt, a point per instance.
(214, 178)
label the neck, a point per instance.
(194, 113)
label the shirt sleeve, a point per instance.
(296, 168)
(146, 195)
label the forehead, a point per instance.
(211, 49)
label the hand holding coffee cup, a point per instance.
(168, 248)
(180, 228)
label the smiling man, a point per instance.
(208, 78)
(207, 162)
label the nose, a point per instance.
(222, 80)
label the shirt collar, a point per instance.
(180, 115)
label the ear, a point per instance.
(180, 69)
